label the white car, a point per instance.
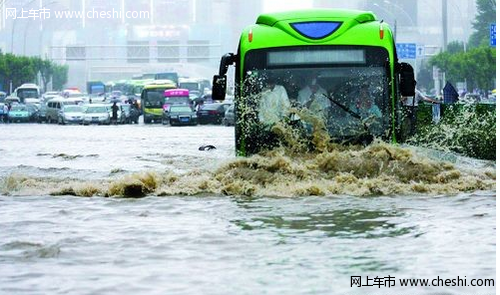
(70, 114)
(96, 114)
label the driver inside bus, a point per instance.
(314, 97)
(365, 105)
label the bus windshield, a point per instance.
(347, 88)
(153, 98)
(27, 93)
(137, 90)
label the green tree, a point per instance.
(476, 66)
(18, 69)
(60, 76)
(486, 15)
(455, 47)
(22, 69)
(46, 70)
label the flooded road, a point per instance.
(201, 239)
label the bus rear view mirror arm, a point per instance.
(226, 60)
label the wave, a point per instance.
(67, 157)
(31, 250)
(377, 169)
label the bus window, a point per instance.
(153, 99)
(341, 105)
(27, 93)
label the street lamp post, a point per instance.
(14, 26)
(402, 10)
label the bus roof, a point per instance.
(28, 85)
(160, 84)
(317, 27)
(271, 19)
(140, 82)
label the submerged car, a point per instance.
(229, 116)
(212, 113)
(182, 115)
(34, 112)
(130, 114)
(18, 113)
(70, 114)
(96, 114)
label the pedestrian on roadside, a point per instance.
(450, 94)
(5, 112)
(114, 109)
(410, 106)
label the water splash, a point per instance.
(469, 130)
(305, 162)
(377, 169)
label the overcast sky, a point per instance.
(283, 5)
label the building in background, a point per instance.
(418, 21)
(182, 34)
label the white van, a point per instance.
(54, 106)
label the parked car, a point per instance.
(12, 100)
(18, 113)
(229, 116)
(182, 115)
(52, 109)
(130, 114)
(211, 113)
(49, 95)
(96, 114)
(70, 114)
(34, 112)
(56, 104)
(42, 113)
(207, 98)
(35, 101)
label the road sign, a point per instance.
(420, 51)
(493, 35)
(406, 50)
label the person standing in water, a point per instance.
(114, 109)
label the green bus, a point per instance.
(153, 100)
(323, 58)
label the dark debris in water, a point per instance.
(207, 147)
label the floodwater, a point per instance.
(213, 224)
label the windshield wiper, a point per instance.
(353, 114)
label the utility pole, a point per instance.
(444, 13)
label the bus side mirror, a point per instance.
(219, 87)
(407, 81)
(219, 84)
